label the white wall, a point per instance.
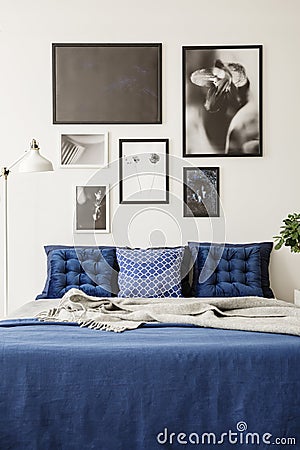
(257, 193)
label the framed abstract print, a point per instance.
(222, 101)
(83, 151)
(201, 192)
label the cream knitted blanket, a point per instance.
(120, 314)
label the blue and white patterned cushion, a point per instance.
(150, 272)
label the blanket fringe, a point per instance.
(51, 316)
(93, 325)
(44, 315)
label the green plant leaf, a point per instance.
(289, 234)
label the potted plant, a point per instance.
(290, 233)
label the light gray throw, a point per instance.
(120, 314)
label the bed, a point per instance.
(158, 386)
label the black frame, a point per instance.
(260, 99)
(186, 209)
(114, 91)
(121, 141)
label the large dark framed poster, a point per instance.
(222, 101)
(107, 83)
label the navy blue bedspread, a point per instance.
(70, 388)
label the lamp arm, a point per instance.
(18, 160)
(5, 171)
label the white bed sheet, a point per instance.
(31, 309)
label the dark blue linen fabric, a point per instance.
(230, 252)
(70, 388)
(91, 269)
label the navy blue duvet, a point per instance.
(70, 388)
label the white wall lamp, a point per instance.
(31, 161)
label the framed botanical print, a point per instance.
(222, 101)
(143, 170)
(92, 209)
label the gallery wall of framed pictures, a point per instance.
(101, 83)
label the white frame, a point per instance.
(84, 166)
(107, 210)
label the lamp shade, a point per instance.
(33, 161)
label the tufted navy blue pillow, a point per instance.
(150, 272)
(265, 249)
(228, 271)
(91, 269)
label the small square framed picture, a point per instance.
(201, 192)
(92, 209)
(83, 151)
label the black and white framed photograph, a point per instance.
(107, 83)
(201, 192)
(83, 150)
(92, 209)
(222, 101)
(143, 170)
